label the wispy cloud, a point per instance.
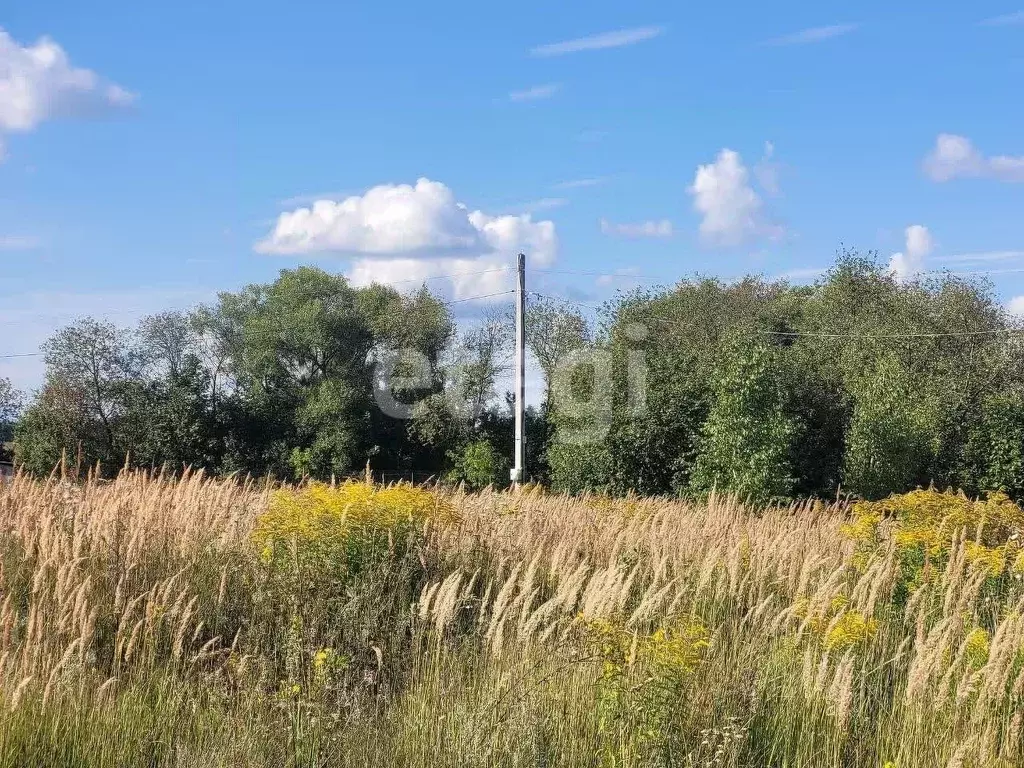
(956, 157)
(766, 171)
(813, 35)
(1006, 20)
(616, 39)
(19, 242)
(543, 204)
(803, 273)
(38, 83)
(618, 277)
(535, 93)
(651, 228)
(579, 183)
(982, 257)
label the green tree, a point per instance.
(748, 436)
(478, 465)
(90, 365)
(57, 426)
(553, 331)
(297, 356)
(891, 437)
(10, 405)
(993, 453)
(579, 467)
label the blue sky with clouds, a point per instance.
(152, 155)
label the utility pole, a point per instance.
(519, 459)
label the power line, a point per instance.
(618, 275)
(592, 306)
(475, 298)
(274, 332)
(991, 332)
(446, 276)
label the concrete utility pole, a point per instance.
(519, 459)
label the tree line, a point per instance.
(858, 383)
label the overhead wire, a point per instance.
(595, 307)
(477, 298)
(445, 303)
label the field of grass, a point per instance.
(196, 622)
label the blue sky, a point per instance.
(154, 155)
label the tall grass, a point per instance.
(151, 621)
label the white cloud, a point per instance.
(535, 93)
(1015, 307)
(513, 234)
(910, 261)
(624, 275)
(452, 278)
(309, 199)
(404, 234)
(731, 211)
(38, 83)
(616, 39)
(985, 256)
(1006, 20)
(767, 170)
(19, 242)
(580, 183)
(543, 204)
(814, 35)
(650, 228)
(955, 157)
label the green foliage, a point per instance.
(479, 465)
(642, 683)
(577, 468)
(340, 560)
(872, 385)
(56, 426)
(889, 443)
(994, 451)
(859, 382)
(553, 331)
(747, 438)
(10, 405)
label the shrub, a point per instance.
(891, 437)
(345, 528)
(747, 438)
(579, 468)
(342, 565)
(642, 682)
(479, 465)
(925, 524)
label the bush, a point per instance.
(579, 468)
(479, 465)
(925, 526)
(747, 438)
(341, 564)
(344, 529)
(890, 440)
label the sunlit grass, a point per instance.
(196, 622)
